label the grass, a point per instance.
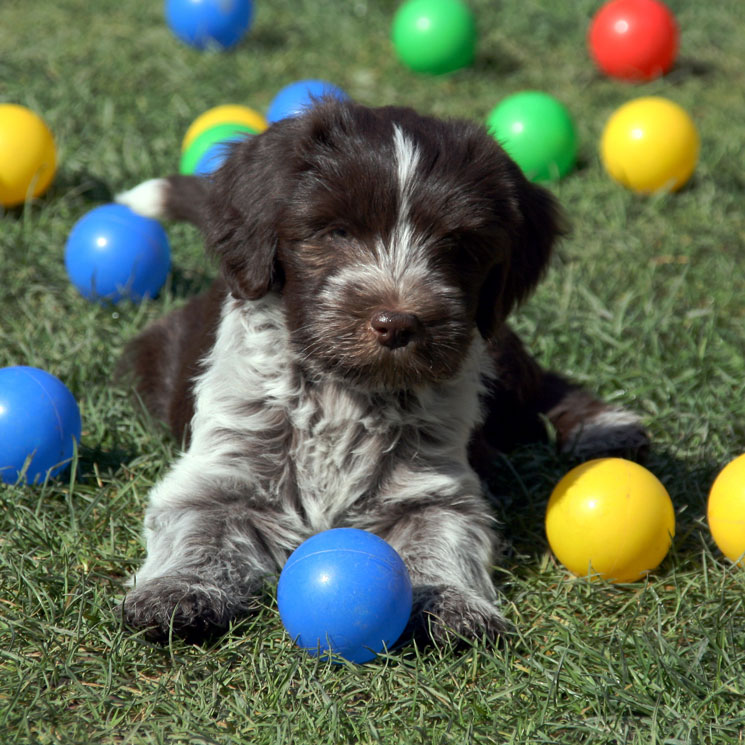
(644, 302)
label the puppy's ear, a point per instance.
(537, 225)
(244, 211)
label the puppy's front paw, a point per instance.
(178, 605)
(449, 615)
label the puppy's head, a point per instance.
(394, 238)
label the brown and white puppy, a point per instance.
(351, 350)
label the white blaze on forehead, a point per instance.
(403, 254)
(407, 160)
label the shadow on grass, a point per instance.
(496, 62)
(81, 185)
(91, 461)
(265, 40)
(689, 67)
(84, 186)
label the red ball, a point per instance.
(634, 39)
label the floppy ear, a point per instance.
(244, 209)
(538, 223)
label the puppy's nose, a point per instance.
(394, 329)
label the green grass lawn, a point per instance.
(645, 302)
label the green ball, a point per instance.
(219, 133)
(537, 132)
(434, 36)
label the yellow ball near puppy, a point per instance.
(726, 510)
(611, 518)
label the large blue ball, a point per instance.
(296, 97)
(39, 417)
(113, 254)
(209, 23)
(345, 591)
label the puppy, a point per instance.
(350, 364)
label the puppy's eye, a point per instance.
(338, 233)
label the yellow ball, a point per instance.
(610, 517)
(225, 114)
(28, 158)
(726, 510)
(650, 144)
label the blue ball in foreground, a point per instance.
(344, 591)
(294, 98)
(39, 417)
(209, 23)
(113, 253)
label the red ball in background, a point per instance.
(634, 39)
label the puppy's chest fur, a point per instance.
(326, 447)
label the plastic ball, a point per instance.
(434, 36)
(213, 158)
(209, 23)
(537, 132)
(40, 420)
(611, 518)
(650, 144)
(633, 39)
(28, 158)
(726, 510)
(214, 143)
(344, 591)
(224, 114)
(296, 97)
(113, 254)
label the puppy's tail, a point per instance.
(173, 198)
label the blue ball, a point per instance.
(209, 23)
(345, 591)
(39, 417)
(294, 98)
(113, 254)
(215, 156)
